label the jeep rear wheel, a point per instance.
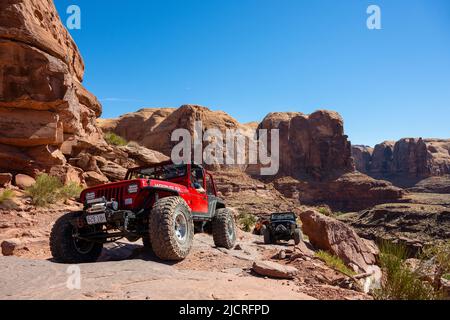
(66, 247)
(171, 229)
(267, 235)
(224, 229)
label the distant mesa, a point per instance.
(408, 162)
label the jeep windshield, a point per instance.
(162, 172)
(283, 216)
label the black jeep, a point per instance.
(281, 226)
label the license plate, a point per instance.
(96, 219)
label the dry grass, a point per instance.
(49, 190)
(400, 282)
(247, 221)
(114, 139)
(334, 262)
(6, 195)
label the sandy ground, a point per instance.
(126, 271)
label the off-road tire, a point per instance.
(224, 229)
(298, 236)
(63, 245)
(146, 242)
(163, 238)
(267, 235)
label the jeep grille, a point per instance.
(111, 193)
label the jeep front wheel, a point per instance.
(171, 229)
(65, 245)
(298, 236)
(224, 229)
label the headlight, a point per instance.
(114, 205)
(133, 188)
(90, 195)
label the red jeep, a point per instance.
(162, 204)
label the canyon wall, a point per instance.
(43, 104)
(405, 162)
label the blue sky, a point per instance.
(252, 57)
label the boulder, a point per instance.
(93, 178)
(23, 181)
(331, 235)
(142, 155)
(67, 174)
(112, 170)
(274, 270)
(10, 246)
(5, 179)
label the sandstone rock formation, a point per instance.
(349, 192)
(362, 156)
(316, 165)
(101, 163)
(313, 151)
(414, 224)
(339, 239)
(311, 146)
(42, 101)
(407, 161)
(153, 128)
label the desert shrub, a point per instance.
(399, 281)
(50, 190)
(325, 211)
(247, 221)
(6, 195)
(114, 139)
(334, 262)
(70, 190)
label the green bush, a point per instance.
(247, 221)
(334, 262)
(71, 190)
(50, 190)
(6, 195)
(400, 282)
(446, 276)
(114, 139)
(325, 211)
